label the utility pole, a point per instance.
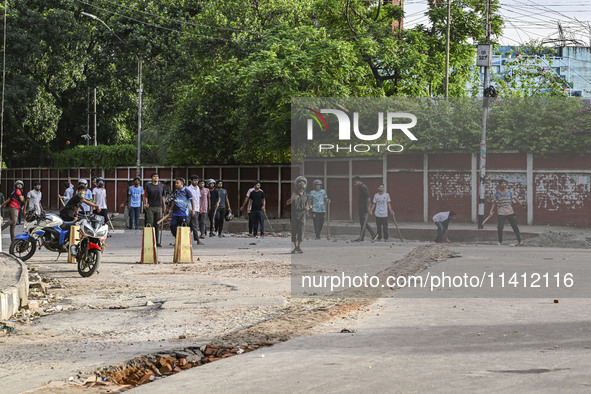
(485, 93)
(139, 115)
(88, 110)
(95, 116)
(447, 49)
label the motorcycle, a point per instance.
(88, 251)
(47, 230)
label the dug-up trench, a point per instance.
(144, 369)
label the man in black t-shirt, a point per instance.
(70, 211)
(256, 208)
(155, 204)
(222, 206)
(363, 206)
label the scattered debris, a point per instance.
(560, 239)
(145, 369)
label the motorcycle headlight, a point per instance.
(86, 229)
(101, 233)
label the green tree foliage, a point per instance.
(103, 156)
(218, 76)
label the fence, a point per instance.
(275, 181)
(556, 188)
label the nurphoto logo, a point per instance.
(344, 130)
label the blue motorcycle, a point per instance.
(48, 230)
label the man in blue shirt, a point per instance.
(87, 196)
(182, 206)
(318, 200)
(135, 200)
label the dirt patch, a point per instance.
(560, 239)
(302, 316)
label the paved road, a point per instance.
(462, 344)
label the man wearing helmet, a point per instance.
(14, 203)
(299, 207)
(318, 201)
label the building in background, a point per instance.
(571, 63)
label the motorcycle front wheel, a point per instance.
(89, 265)
(23, 249)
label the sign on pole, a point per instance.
(484, 58)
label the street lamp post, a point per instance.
(139, 90)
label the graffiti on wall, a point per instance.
(516, 182)
(562, 191)
(447, 185)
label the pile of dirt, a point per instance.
(560, 239)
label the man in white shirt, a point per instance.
(442, 220)
(382, 204)
(100, 198)
(194, 219)
(33, 201)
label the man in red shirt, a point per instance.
(14, 206)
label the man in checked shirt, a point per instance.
(503, 202)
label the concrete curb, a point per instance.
(408, 234)
(14, 297)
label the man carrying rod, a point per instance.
(503, 202)
(363, 206)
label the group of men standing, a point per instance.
(187, 205)
(316, 201)
(194, 204)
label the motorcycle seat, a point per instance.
(67, 225)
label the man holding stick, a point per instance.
(503, 202)
(383, 206)
(363, 206)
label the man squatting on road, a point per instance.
(503, 202)
(299, 207)
(318, 201)
(442, 220)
